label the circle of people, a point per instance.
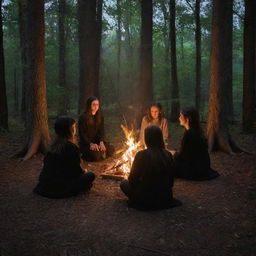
(151, 178)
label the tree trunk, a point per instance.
(175, 104)
(24, 44)
(229, 63)
(118, 38)
(249, 65)
(37, 130)
(220, 78)
(87, 33)
(145, 87)
(198, 55)
(98, 46)
(64, 98)
(129, 51)
(166, 45)
(15, 92)
(3, 98)
(127, 31)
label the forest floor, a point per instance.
(217, 218)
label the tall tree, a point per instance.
(118, 39)
(89, 31)
(249, 80)
(220, 78)
(37, 129)
(24, 44)
(196, 12)
(127, 30)
(98, 45)
(145, 87)
(128, 47)
(198, 54)
(64, 100)
(3, 97)
(175, 102)
(166, 42)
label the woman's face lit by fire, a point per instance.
(73, 130)
(95, 106)
(183, 120)
(154, 112)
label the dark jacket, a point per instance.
(60, 173)
(151, 177)
(193, 161)
(90, 130)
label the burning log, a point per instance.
(121, 168)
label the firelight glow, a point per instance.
(132, 148)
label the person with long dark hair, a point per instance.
(62, 175)
(150, 182)
(91, 132)
(154, 117)
(193, 161)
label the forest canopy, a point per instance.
(128, 53)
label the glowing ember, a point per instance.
(126, 160)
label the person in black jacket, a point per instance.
(150, 182)
(91, 132)
(192, 161)
(62, 175)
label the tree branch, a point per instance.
(238, 15)
(190, 5)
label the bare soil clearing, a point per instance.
(217, 218)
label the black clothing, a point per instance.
(62, 175)
(193, 161)
(150, 182)
(91, 130)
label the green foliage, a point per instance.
(114, 95)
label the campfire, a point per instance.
(120, 169)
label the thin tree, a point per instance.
(220, 78)
(37, 128)
(249, 80)
(118, 39)
(127, 14)
(145, 87)
(127, 30)
(64, 99)
(98, 45)
(24, 44)
(198, 55)
(166, 42)
(175, 103)
(3, 97)
(87, 34)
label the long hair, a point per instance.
(160, 158)
(159, 106)
(192, 114)
(88, 110)
(63, 129)
(154, 137)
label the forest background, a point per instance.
(119, 71)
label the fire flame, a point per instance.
(132, 148)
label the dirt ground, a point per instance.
(218, 217)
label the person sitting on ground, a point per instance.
(154, 117)
(91, 133)
(192, 161)
(62, 175)
(150, 182)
